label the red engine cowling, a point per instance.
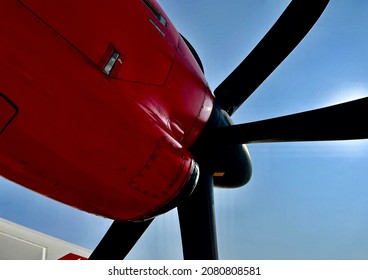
(100, 102)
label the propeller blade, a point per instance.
(295, 22)
(119, 240)
(197, 222)
(339, 122)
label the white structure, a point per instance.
(21, 243)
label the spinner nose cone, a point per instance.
(230, 164)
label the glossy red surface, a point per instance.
(114, 145)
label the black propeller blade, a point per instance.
(119, 240)
(344, 121)
(197, 222)
(296, 21)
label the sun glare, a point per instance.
(346, 93)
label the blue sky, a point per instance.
(305, 200)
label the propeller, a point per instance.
(219, 150)
(196, 216)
